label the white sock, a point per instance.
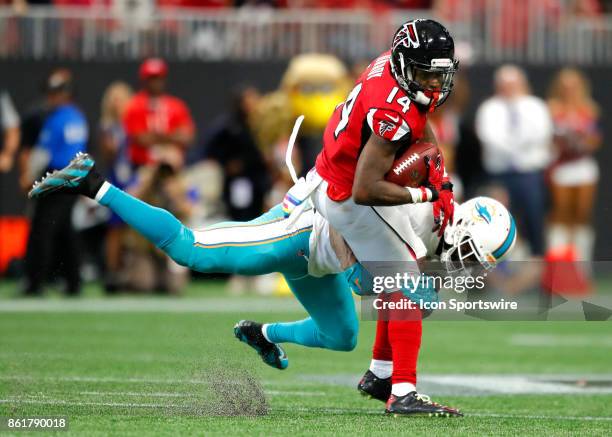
(402, 389)
(558, 236)
(264, 331)
(102, 191)
(584, 239)
(381, 368)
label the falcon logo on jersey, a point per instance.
(384, 127)
(407, 36)
(388, 124)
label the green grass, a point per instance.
(178, 373)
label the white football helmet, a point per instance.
(483, 232)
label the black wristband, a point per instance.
(435, 195)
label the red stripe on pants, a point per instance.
(382, 348)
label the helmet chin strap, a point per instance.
(425, 98)
(415, 91)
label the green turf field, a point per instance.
(161, 366)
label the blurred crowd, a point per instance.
(534, 155)
(563, 30)
(583, 7)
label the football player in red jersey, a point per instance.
(386, 112)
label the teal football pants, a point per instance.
(257, 247)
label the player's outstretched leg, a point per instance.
(157, 225)
(251, 333)
(333, 322)
(260, 246)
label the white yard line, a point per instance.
(109, 379)
(93, 404)
(135, 393)
(467, 414)
(490, 384)
(153, 304)
(299, 409)
(135, 357)
(437, 385)
(294, 393)
(515, 384)
(559, 340)
(190, 396)
(120, 380)
(540, 417)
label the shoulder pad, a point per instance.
(388, 124)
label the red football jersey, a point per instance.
(163, 114)
(376, 105)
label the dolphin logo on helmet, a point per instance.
(484, 232)
(483, 212)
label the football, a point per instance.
(409, 168)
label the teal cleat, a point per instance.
(72, 179)
(271, 353)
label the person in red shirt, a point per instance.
(385, 113)
(159, 126)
